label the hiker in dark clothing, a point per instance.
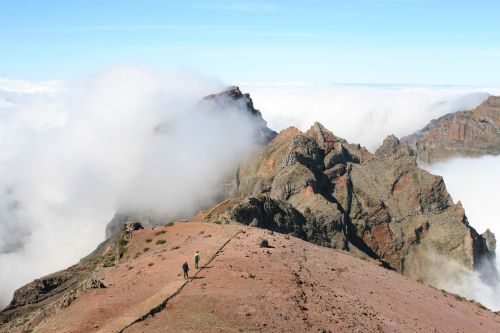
(185, 269)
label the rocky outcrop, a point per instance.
(323, 189)
(465, 133)
(233, 98)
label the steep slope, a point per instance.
(291, 285)
(465, 133)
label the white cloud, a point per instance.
(30, 87)
(69, 161)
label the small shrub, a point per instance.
(160, 232)
(121, 250)
(146, 249)
(169, 224)
(148, 240)
(108, 263)
(150, 264)
(264, 243)
(160, 241)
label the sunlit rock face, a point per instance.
(461, 134)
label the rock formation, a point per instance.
(319, 187)
(465, 133)
(233, 98)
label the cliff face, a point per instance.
(466, 133)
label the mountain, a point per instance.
(320, 188)
(470, 133)
(342, 224)
(287, 285)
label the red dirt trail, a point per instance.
(294, 286)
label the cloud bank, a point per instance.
(72, 154)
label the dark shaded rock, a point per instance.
(96, 284)
(272, 214)
(114, 227)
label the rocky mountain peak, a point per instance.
(233, 98)
(490, 109)
(392, 147)
(490, 240)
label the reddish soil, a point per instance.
(294, 286)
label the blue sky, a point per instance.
(350, 41)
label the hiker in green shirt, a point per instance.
(196, 259)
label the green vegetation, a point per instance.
(109, 260)
(160, 241)
(122, 243)
(160, 232)
(109, 263)
(169, 224)
(148, 240)
(150, 264)
(146, 249)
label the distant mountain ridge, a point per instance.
(471, 133)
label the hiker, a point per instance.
(196, 259)
(185, 269)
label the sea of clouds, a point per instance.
(73, 153)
